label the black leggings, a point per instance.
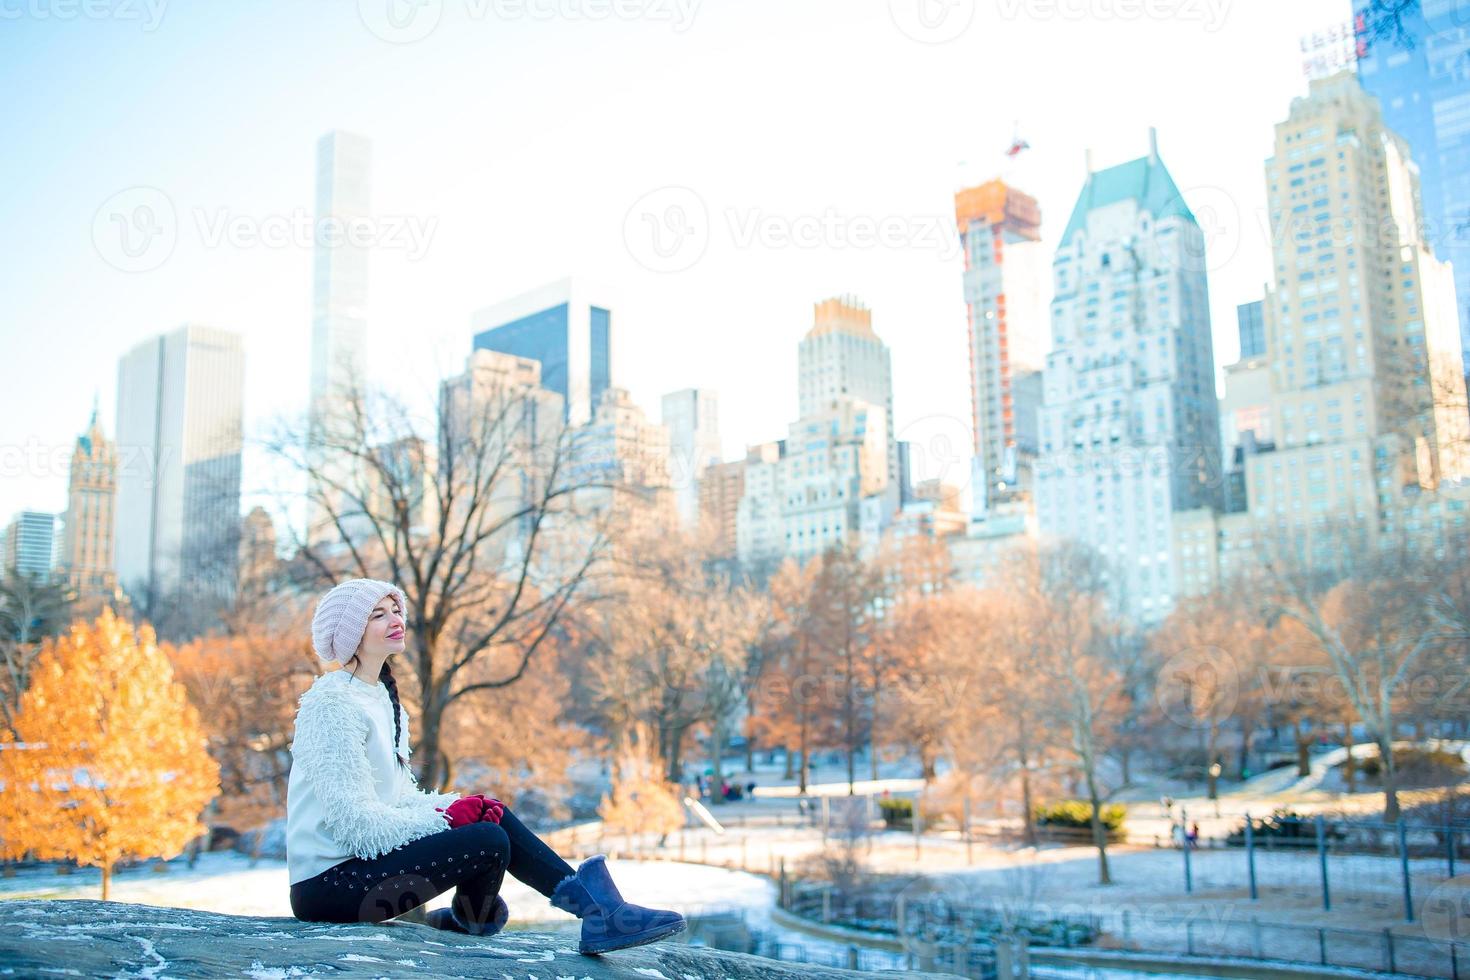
(474, 857)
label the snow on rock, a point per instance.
(126, 939)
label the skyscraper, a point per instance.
(1000, 229)
(503, 442)
(87, 551)
(1363, 407)
(339, 270)
(841, 357)
(1129, 429)
(1422, 81)
(720, 489)
(1367, 392)
(30, 545)
(1251, 322)
(258, 561)
(338, 323)
(180, 403)
(759, 533)
(567, 326)
(621, 465)
(692, 416)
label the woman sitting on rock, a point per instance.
(364, 843)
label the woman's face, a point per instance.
(385, 628)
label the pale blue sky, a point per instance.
(518, 137)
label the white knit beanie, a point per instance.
(342, 615)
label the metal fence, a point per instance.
(1390, 868)
(946, 936)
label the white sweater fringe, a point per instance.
(347, 795)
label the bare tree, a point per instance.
(475, 515)
(845, 602)
(1371, 615)
(1082, 656)
(31, 609)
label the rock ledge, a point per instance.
(115, 939)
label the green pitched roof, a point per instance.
(1143, 180)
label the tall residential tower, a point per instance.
(1129, 429)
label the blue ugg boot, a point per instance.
(608, 922)
(446, 919)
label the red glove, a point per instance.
(465, 810)
(493, 810)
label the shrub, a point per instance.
(897, 811)
(1078, 813)
(1284, 825)
(1418, 767)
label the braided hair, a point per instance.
(386, 676)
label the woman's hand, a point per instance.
(492, 811)
(465, 810)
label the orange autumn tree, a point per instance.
(107, 760)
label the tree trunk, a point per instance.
(805, 756)
(1390, 779)
(1303, 748)
(446, 768)
(1028, 815)
(1243, 762)
(428, 747)
(1099, 833)
(1350, 764)
(1212, 781)
(107, 881)
(850, 719)
(1023, 755)
(873, 735)
(676, 748)
(788, 755)
(717, 750)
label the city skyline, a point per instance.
(672, 336)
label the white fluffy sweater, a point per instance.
(347, 795)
